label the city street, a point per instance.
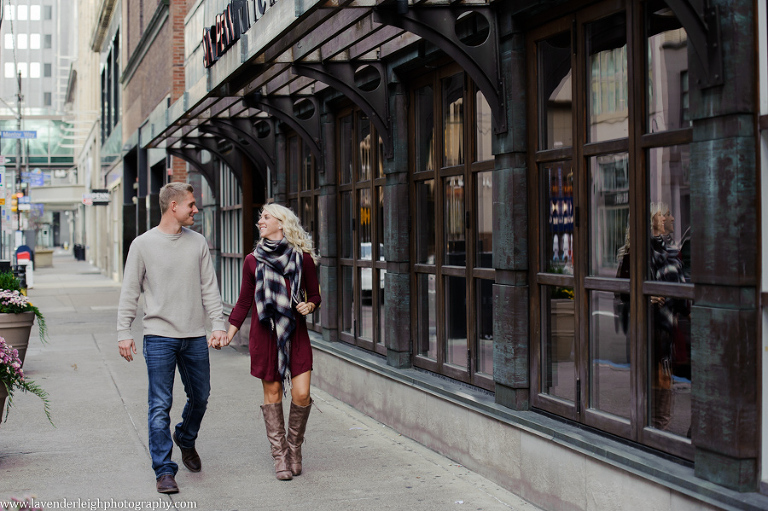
(96, 456)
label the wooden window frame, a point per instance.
(471, 274)
(636, 144)
(299, 192)
(374, 185)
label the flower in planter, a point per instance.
(12, 301)
(12, 377)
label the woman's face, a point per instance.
(669, 223)
(270, 227)
(657, 223)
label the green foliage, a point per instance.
(12, 301)
(9, 281)
(13, 379)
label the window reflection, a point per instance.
(380, 166)
(455, 233)
(669, 316)
(453, 120)
(427, 321)
(559, 247)
(347, 299)
(346, 225)
(483, 128)
(609, 211)
(608, 86)
(609, 357)
(382, 304)
(485, 326)
(456, 321)
(364, 224)
(293, 164)
(670, 189)
(365, 151)
(307, 168)
(425, 129)
(558, 361)
(425, 222)
(345, 152)
(484, 208)
(366, 303)
(555, 92)
(667, 69)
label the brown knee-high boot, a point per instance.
(297, 424)
(275, 423)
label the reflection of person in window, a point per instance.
(665, 266)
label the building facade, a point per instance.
(39, 46)
(537, 222)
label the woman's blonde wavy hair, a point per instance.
(292, 230)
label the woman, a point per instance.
(280, 279)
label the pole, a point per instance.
(18, 151)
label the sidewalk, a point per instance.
(97, 452)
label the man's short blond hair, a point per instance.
(173, 192)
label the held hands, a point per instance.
(127, 349)
(219, 338)
(305, 308)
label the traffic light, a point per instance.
(14, 204)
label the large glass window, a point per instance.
(611, 270)
(231, 201)
(452, 234)
(303, 190)
(361, 234)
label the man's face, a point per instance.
(184, 210)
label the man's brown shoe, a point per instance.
(167, 484)
(189, 457)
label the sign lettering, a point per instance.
(230, 25)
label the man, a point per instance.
(172, 266)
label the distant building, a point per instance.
(38, 41)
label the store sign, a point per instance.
(96, 198)
(230, 25)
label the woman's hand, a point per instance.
(305, 308)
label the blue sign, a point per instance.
(34, 178)
(18, 134)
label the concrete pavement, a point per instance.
(96, 456)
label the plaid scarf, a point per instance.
(277, 260)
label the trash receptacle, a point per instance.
(79, 251)
(20, 272)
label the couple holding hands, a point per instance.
(172, 266)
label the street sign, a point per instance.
(18, 134)
(99, 197)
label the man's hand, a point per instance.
(127, 349)
(218, 339)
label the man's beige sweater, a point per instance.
(175, 273)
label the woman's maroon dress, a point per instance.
(261, 343)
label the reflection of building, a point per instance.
(39, 43)
(497, 135)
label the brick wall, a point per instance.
(160, 73)
(178, 11)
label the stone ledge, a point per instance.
(675, 475)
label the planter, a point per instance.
(562, 329)
(15, 328)
(43, 258)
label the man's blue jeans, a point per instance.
(163, 355)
